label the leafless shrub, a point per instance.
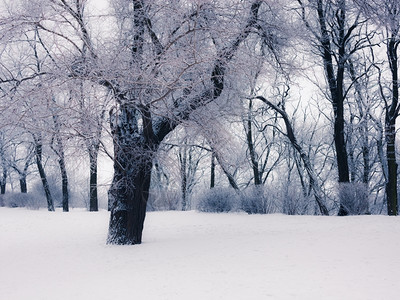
(28, 200)
(257, 200)
(218, 200)
(354, 198)
(294, 202)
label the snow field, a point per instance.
(191, 255)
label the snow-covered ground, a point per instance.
(191, 255)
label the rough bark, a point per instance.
(93, 197)
(129, 191)
(184, 179)
(3, 178)
(390, 131)
(3, 182)
(42, 173)
(64, 179)
(59, 150)
(212, 171)
(22, 185)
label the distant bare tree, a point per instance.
(334, 26)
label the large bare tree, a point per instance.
(136, 128)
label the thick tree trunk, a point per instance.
(3, 178)
(59, 150)
(3, 182)
(46, 187)
(391, 184)
(340, 142)
(184, 179)
(42, 173)
(93, 198)
(390, 131)
(129, 194)
(64, 179)
(22, 184)
(133, 162)
(212, 171)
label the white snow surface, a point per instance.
(191, 255)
